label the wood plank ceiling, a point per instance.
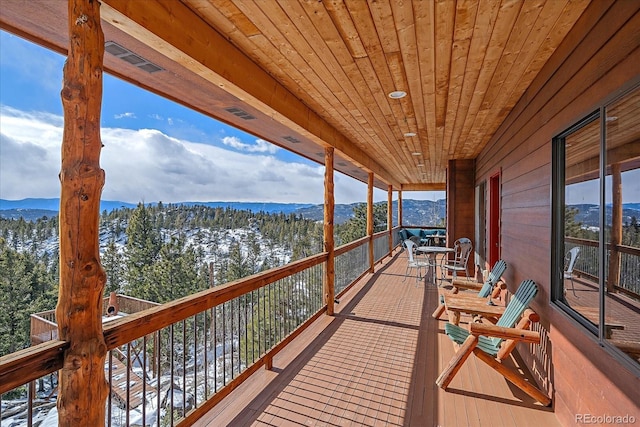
(312, 73)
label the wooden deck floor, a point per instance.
(375, 364)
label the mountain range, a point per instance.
(415, 212)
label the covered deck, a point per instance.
(375, 363)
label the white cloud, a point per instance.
(125, 116)
(261, 146)
(147, 165)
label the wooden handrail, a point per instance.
(128, 328)
(34, 362)
(30, 364)
(630, 250)
(352, 245)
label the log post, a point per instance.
(329, 242)
(83, 388)
(400, 208)
(390, 217)
(613, 278)
(370, 222)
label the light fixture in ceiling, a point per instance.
(397, 94)
(410, 134)
(416, 154)
(420, 165)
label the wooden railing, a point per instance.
(171, 363)
(587, 263)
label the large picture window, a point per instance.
(596, 224)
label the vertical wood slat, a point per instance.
(329, 244)
(83, 388)
(370, 221)
(390, 217)
(400, 208)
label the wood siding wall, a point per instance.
(460, 203)
(598, 60)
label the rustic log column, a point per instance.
(613, 278)
(82, 385)
(400, 208)
(329, 243)
(370, 221)
(390, 217)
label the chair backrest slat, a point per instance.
(496, 273)
(517, 305)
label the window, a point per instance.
(596, 224)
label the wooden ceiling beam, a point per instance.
(433, 186)
(177, 32)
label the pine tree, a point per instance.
(113, 262)
(142, 249)
(16, 284)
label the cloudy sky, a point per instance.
(154, 149)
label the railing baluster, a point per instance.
(144, 381)
(171, 367)
(110, 396)
(184, 367)
(272, 312)
(128, 390)
(157, 362)
(30, 396)
(195, 361)
(224, 345)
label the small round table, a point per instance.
(433, 252)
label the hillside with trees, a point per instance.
(157, 253)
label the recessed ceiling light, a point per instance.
(420, 165)
(416, 154)
(410, 134)
(397, 94)
(611, 119)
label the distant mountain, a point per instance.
(109, 205)
(415, 212)
(589, 214)
(27, 214)
(54, 205)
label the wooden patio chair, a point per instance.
(488, 343)
(489, 287)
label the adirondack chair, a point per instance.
(488, 343)
(489, 287)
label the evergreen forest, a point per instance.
(157, 253)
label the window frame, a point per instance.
(558, 158)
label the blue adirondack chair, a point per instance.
(485, 290)
(485, 341)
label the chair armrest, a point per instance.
(522, 335)
(467, 284)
